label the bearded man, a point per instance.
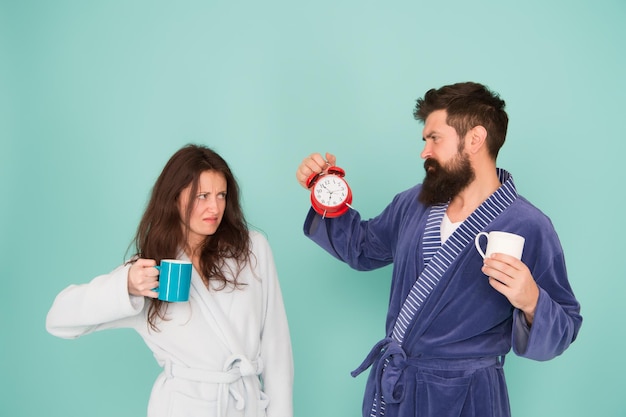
(453, 316)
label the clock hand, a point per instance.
(327, 189)
(335, 190)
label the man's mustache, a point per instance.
(431, 165)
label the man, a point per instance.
(453, 316)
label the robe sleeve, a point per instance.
(102, 303)
(557, 317)
(276, 351)
(364, 245)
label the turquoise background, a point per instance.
(96, 96)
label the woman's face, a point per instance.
(208, 206)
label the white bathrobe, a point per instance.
(223, 353)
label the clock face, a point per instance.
(330, 190)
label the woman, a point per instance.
(226, 352)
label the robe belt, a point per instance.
(392, 361)
(236, 367)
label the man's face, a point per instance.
(447, 165)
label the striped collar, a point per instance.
(476, 222)
(438, 258)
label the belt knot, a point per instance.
(391, 362)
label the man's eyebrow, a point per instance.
(429, 135)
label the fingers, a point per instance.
(144, 263)
(332, 160)
(143, 277)
(512, 278)
(314, 163)
(501, 266)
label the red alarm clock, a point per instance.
(330, 193)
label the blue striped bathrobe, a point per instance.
(444, 357)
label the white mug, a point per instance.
(501, 242)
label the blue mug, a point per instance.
(174, 280)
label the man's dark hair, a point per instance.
(468, 105)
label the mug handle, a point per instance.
(477, 243)
(158, 268)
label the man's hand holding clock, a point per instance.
(330, 193)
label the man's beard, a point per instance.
(442, 184)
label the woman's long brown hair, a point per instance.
(161, 234)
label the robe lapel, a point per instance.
(211, 310)
(214, 315)
(246, 393)
(439, 258)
